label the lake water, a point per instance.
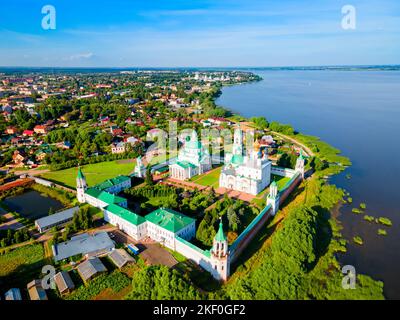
(32, 204)
(359, 113)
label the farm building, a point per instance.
(56, 219)
(13, 294)
(64, 282)
(91, 268)
(36, 291)
(120, 257)
(84, 244)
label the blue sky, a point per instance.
(199, 33)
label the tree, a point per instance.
(161, 283)
(149, 177)
(260, 122)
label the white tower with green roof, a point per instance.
(300, 164)
(81, 186)
(220, 255)
(273, 197)
(237, 148)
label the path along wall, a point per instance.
(248, 234)
(289, 187)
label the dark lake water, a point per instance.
(359, 113)
(32, 204)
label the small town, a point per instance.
(187, 159)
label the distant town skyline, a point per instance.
(204, 33)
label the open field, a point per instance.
(208, 179)
(95, 173)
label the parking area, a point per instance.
(151, 252)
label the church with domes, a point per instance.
(248, 172)
(193, 159)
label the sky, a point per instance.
(199, 33)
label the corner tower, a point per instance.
(273, 197)
(300, 164)
(220, 255)
(81, 186)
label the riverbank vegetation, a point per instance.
(300, 260)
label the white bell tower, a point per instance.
(237, 142)
(300, 164)
(81, 186)
(220, 255)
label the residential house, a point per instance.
(40, 129)
(118, 148)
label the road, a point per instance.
(303, 146)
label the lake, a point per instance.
(359, 113)
(32, 204)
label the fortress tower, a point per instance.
(300, 164)
(140, 169)
(81, 186)
(273, 197)
(220, 255)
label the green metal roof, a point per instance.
(104, 196)
(237, 159)
(111, 182)
(169, 219)
(125, 214)
(301, 154)
(185, 164)
(220, 236)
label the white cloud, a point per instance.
(81, 56)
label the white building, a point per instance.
(193, 159)
(250, 173)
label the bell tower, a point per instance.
(220, 255)
(81, 186)
(300, 164)
(237, 141)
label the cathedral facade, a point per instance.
(248, 172)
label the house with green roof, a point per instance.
(115, 185)
(101, 199)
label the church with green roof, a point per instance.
(193, 159)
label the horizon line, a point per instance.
(208, 67)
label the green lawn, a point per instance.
(95, 173)
(208, 179)
(281, 181)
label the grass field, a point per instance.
(95, 173)
(281, 181)
(20, 266)
(208, 179)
